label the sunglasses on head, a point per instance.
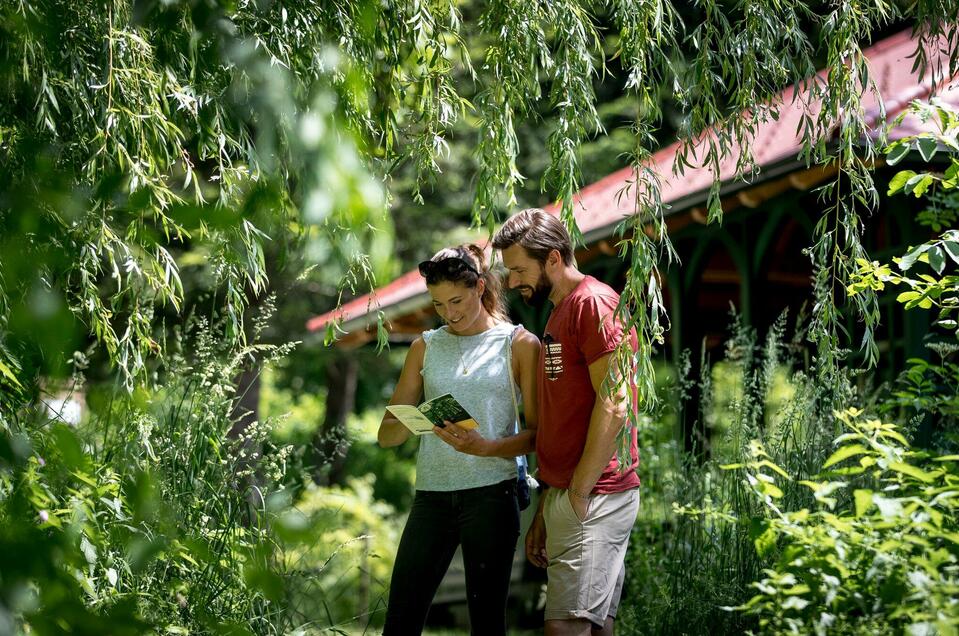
(445, 269)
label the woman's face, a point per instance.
(461, 307)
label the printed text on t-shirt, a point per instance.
(553, 358)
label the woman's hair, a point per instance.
(538, 232)
(473, 255)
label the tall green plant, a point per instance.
(692, 548)
(878, 551)
(166, 520)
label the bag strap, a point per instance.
(512, 381)
(521, 462)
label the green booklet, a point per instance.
(421, 419)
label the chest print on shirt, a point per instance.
(553, 357)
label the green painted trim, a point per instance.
(770, 230)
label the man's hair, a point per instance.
(538, 232)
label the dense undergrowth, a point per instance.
(161, 510)
(801, 519)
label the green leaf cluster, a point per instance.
(940, 289)
(161, 510)
(878, 551)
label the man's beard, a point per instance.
(538, 294)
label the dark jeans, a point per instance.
(485, 521)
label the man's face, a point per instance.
(526, 275)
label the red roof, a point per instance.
(600, 206)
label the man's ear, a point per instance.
(554, 259)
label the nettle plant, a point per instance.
(877, 554)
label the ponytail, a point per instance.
(493, 292)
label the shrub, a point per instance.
(151, 509)
(692, 551)
(877, 552)
(343, 572)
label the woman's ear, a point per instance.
(480, 286)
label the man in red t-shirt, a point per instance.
(581, 530)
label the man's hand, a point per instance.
(536, 542)
(463, 440)
(579, 504)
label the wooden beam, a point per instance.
(806, 179)
(754, 197)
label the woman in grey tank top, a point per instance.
(465, 478)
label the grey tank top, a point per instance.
(483, 390)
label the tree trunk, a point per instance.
(331, 442)
(246, 409)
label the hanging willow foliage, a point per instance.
(144, 131)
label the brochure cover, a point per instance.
(421, 419)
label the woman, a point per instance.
(465, 479)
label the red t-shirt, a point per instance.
(580, 330)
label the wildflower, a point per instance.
(44, 516)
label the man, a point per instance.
(581, 531)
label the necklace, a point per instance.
(459, 346)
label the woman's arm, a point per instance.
(409, 390)
(525, 355)
(526, 350)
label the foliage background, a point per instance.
(165, 166)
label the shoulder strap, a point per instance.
(509, 365)
(427, 337)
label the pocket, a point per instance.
(568, 505)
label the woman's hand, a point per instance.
(463, 440)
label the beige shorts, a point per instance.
(587, 559)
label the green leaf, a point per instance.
(863, 501)
(937, 258)
(769, 488)
(927, 148)
(896, 435)
(89, 551)
(774, 467)
(898, 181)
(8, 373)
(895, 154)
(952, 172)
(922, 185)
(763, 535)
(68, 444)
(912, 471)
(845, 452)
(952, 249)
(905, 297)
(912, 256)
(913, 182)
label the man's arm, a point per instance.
(525, 359)
(536, 537)
(605, 423)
